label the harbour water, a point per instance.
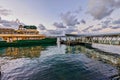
(58, 62)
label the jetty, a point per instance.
(108, 38)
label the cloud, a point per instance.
(97, 29)
(70, 30)
(5, 12)
(116, 21)
(54, 32)
(41, 27)
(102, 8)
(117, 3)
(115, 27)
(87, 29)
(83, 21)
(10, 24)
(107, 23)
(78, 10)
(47, 32)
(68, 24)
(69, 19)
(110, 23)
(59, 25)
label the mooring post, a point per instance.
(0, 73)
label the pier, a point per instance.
(111, 39)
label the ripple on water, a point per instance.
(59, 67)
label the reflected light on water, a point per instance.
(20, 52)
(58, 63)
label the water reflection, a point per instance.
(58, 63)
(20, 52)
(57, 67)
(95, 54)
(98, 55)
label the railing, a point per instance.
(101, 39)
(11, 35)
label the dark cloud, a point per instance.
(99, 24)
(10, 24)
(70, 30)
(102, 8)
(117, 3)
(116, 21)
(83, 21)
(54, 32)
(88, 28)
(5, 12)
(59, 25)
(106, 23)
(68, 24)
(69, 19)
(41, 27)
(115, 27)
(97, 29)
(48, 32)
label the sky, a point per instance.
(62, 16)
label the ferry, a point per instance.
(24, 35)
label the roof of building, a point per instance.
(30, 27)
(93, 35)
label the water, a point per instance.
(58, 62)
